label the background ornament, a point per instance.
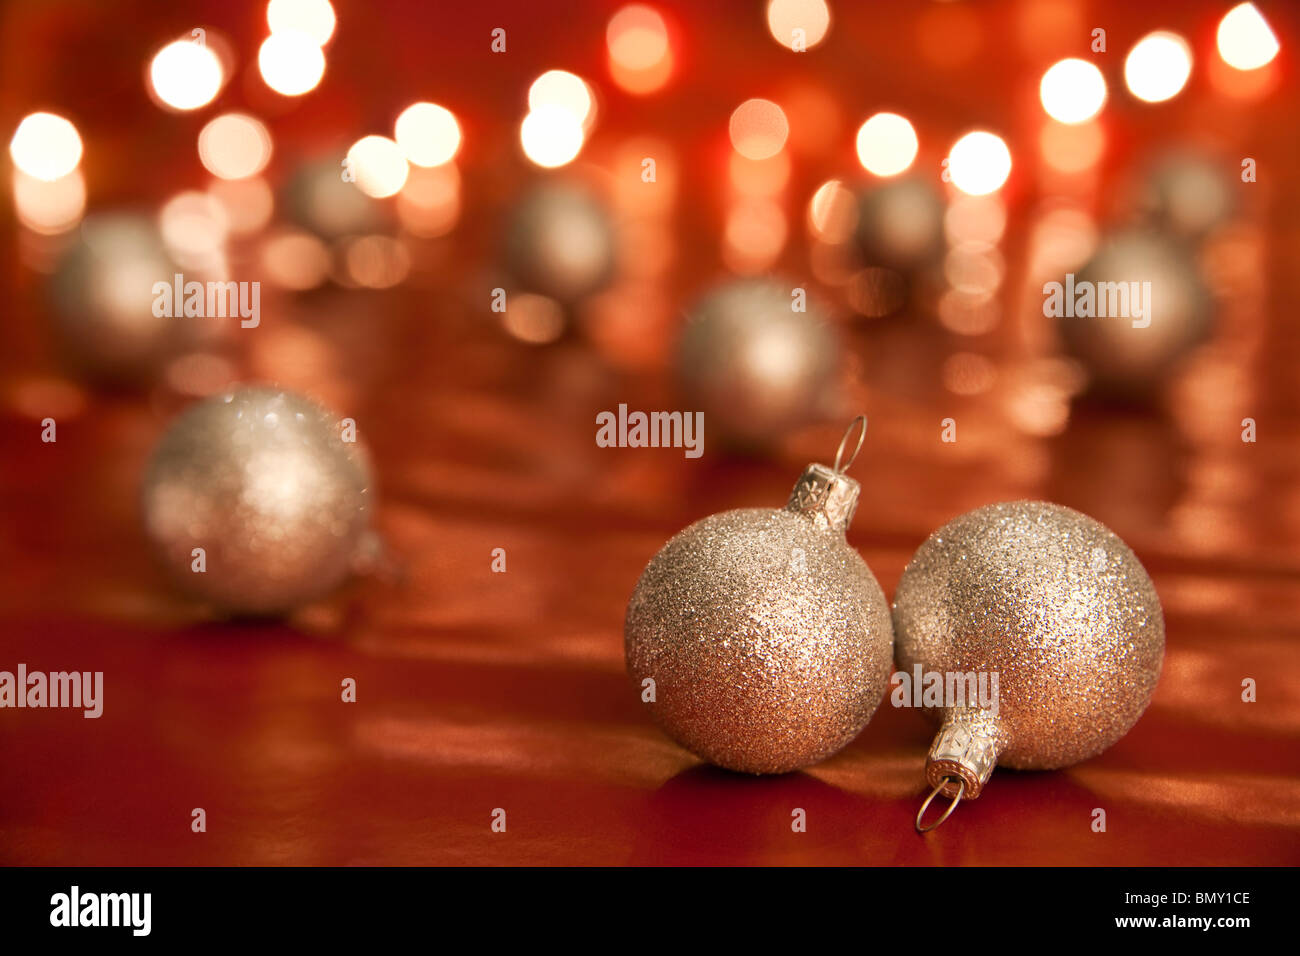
(560, 243)
(753, 365)
(1130, 356)
(265, 483)
(900, 224)
(1188, 194)
(102, 292)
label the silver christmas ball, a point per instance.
(560, 243)
(900, 224)
(753, 365)
(1188, 194)
(1059, 608)
(319, 198)
(765, 636)
(1128, 354)
(265, 483)
(102, 294)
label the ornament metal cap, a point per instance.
(965, 750)
(960, 762)
(827, 495)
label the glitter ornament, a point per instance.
(1188, 194)
(764, 637)
(560, 243)
(1126, 354)
(1059, 608)
(265, 482)
(753, 365)
(103, 298)
(900, 224)
(322, 196)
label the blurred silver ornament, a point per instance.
(753, 365)
(266, 484)
(1188, 194)
(762, 637)
(320, 198)
(560, 243)
(103, 302)
(900, 224)
(1158, 309)
(1056, 605)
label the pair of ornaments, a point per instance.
(769, 642)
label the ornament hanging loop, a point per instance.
(844, 443)
(961, 791)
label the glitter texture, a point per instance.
(1054, 602)
(767, 636)
(263, 481)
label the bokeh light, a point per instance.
(975, 219)
(811, 17)
(1158, 66)
(565, 90)
(759, 177)
(49, 207)
(248, 203)
(975, 268)
(428, 134)
(533, 318)
(551, 136)
(631, 197)
(640, 56)
(833, 212)
(186, 75)
(234, 146)
(315, 18)
(45, 146)
(758, 129)
(291, 63)
(886, 144)
(1063, 237)
(979, 163)
(376, 262)
(1072, 91)
(379, 166)
(295, 259)
(754, 235)
(968, 313)
(194, 227)
(1245, 40)
(429, 203)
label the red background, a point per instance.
(479, 690)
